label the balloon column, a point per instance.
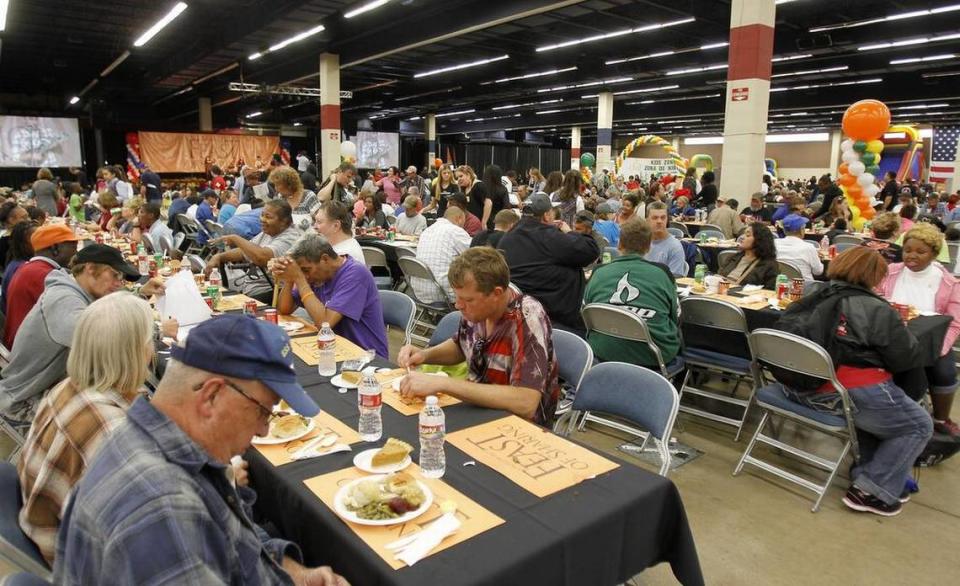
(348, 152)
(864, 123)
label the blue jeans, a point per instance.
(897, 429)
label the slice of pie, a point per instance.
(351, 376)
(393, 452)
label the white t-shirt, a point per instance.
(302, 162)
(192, 212)
(350, 247)
(918, 288)
(801, 254)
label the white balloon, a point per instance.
(846, 145)
(857, 168)
(865, 179)
(348, 149)
(850, 157)
(872, 190)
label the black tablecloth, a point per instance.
(599, 532)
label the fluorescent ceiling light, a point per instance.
(365, 8)
(413, 119)
(698, 69)
(713, 46)
(116, 62)
(667, 53)
(255, 56)
(619, 33)
(530, 75)
(645, 90)
(923, 59)
(940, 74)
(158, 26)
(297, 37)
(74, 99)
(457, 112)
(831, 84)
(298, 123)
(582, 85)
(461, 66)
(809, 137)
(790, 58)
(910, 42)
(923, 106)
(549, 112)
(254, 114)
(785, 1)
(812, 71)
(511, 106)
(892, 17)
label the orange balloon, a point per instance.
(437, 163)
(868, 213)
(847, 181)
(844, 169)
(863, 206)
(866, 120)
(854, 190)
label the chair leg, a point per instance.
(833, 474)
(583, 421)
(753, 441)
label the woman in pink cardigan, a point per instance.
(926, 285)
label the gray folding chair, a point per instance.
(376, 258)
(214, 229)
(789, 269)
(798, 355)
(705, 316)
(711, 233)
(428, 312)
(446, 329)
(197, 264)
(398, 311)
(166, 245)
(633, 393)
(676, 232)
(190, 229)
(841, 246)
(178, 239)
(953, 248)
(723, 255)
(149, 245)
(15, 547)
(403, 251)
(847, 239)
(712, 227)
(574, 359)
(684, 231)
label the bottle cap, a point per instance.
(432, 401)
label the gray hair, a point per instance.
(313, 247)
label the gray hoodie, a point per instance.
(38, 359)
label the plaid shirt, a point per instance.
(69, 427)
(155, 508)
(438, 246)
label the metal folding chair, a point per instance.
(376, 258)
(712, 227)
(711, 233)
(15, 547)
(398, 311)
(789, 269)
(676, 232)
(847, 239)
(684, 231)
(428, 312)
(446, 329)
(574, 359)
(149, 244)
(723, 255)
(799, 355)
(190, 229)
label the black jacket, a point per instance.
(548, 264)
(708, 195)
(764, 273)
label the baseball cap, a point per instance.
(46, 236)
(537, 204)
(241, 347)
(411, 169)
(110, 256)
(795, 222)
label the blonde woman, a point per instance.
(537, 181)
(443, 188)
(303, 203)
(110, 355)
(122, 224)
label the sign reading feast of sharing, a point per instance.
(530, 456)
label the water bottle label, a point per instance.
(326, 344)
(370, 401)
(432, 429)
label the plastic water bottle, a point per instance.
(369, 398)
(326, 345)
(824, 244)
(215, 279)
(433, 431)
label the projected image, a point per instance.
(377, 149)
(30, 141)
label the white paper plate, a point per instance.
(291, 326)
(396, 382)
(341, 509)
(270, 441)
(339, 381)
(363, 461)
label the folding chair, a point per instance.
(428, 312)
(789, 269)
(149, 244)
(376, 258)
(15, 547)
(190, 229)
(574, 359)
(24, 579)
(684, 231)
(713, 318)
(398, 311)
(723, 255)
(214, 229)
(712, 227)
(841, 246)
(799, 355)
(711, 233)
(166, 245)
(446, 328)
(676, 232)
(847, 239)
(638, 395)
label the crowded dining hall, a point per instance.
(545, 292)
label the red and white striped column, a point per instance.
(748, 97)
(330, 138)
(575, 147)
(604, 132)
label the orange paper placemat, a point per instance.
(235, 302)
(306, 350)
(280, 454)
(406, 406)
(474, 518)
(530, 456)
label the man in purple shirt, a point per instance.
(333, 289)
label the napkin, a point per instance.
(751, 288)
(684, 291)
(317, 452)
(428, 539)
(182, 301)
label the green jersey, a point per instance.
(648, 290)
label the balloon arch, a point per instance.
(652, 139)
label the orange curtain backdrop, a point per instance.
(175, 152)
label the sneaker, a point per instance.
(905, 496)
(859, 500)
(947, 427)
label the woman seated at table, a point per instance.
(630, 208)
(681, 207)
(373, 216)
(929, 287)
(109, 206)
(838, 211)
(885, 229)
(868, 342)
(123, 223)
(756, 263)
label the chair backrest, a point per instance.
(676, 232)
(15, 545)
(724, 255)
(392, 220)
(374, 257)
(445, 329)
(630, 391)
(619, 322)
(718, 234)
(414, 268)
(178, 239)
(188, 225)
(166, 245)
(398, 311)
(24, 579)
(841, 246)
(713, 227)
(953, 248)
(847, 239)
(213, 229)
(574, 356)
(713, 313)
(614, 252)
(403, 251)
(788, 269)
(681, 227)
(792, 352)
(197, 264)
(148, 243)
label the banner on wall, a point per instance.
(647, 167)
(176, 152)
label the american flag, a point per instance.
(944, 153)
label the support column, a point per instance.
(430, 125)
(575, 147)
(604, 132)
(330, 138)
(748, 97)
(206, 114)
(836, 137)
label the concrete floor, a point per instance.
(756, 529)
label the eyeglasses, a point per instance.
(266, 415)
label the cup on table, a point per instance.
(723, 286)
(712, 282)
(903, 309)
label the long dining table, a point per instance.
(602, 530)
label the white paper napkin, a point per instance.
(751, 288)
(428, 539)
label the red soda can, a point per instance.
(250, 308)
(270, 315)
(152, 272)
(833, 251)
(99, 238)
(782, 290)
(133, 247)
(209, 301)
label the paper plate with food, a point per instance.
(286, 428)
(291, 326)
(347, 379)
(392, 457)
(384, 499)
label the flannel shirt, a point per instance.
(69, 426)
(438, 246)
(155, 508)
